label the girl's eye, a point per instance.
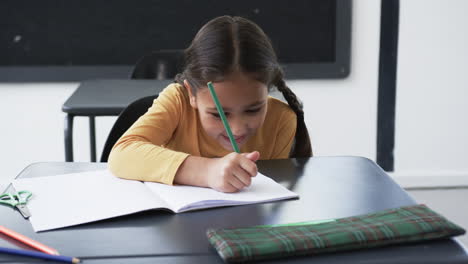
(253, 111)
(218, 116)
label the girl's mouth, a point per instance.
(238, 139)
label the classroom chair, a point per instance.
(126, 118)
(159, 65)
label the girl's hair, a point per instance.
(228, 44)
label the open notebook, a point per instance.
(77, 198)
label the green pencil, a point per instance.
(223, 117)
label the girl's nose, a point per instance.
(238, 126)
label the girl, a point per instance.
(181, 139)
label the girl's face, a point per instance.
(244, 101)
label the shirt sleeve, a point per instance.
(285, 135)
(140, 153)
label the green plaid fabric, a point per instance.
(393, 226)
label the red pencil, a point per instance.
(28, 241)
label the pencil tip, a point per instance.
(76, 260)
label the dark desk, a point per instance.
(329, 187)
(103, 98)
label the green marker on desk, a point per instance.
(223, 117)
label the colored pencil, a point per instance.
(35, 254)
(28, 241)
(223, 117)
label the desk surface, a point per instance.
(329, 187)
(109, 97)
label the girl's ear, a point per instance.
(193, 99)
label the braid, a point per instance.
(302, 147)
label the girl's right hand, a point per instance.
(233, 172)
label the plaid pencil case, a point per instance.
(393, 226)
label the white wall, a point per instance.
(341, 114)
(32, 125)
(432, 93)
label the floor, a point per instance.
(451, 203)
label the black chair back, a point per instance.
(126, 118)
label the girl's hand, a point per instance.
(233, 172)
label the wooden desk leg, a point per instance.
(92, 137)
(68, 137)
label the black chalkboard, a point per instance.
(312, 38)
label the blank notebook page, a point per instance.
(181, 197)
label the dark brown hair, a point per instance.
(228, 44)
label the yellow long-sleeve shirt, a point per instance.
(156, 145)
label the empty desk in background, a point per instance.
(329, 187)
(103, 98)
